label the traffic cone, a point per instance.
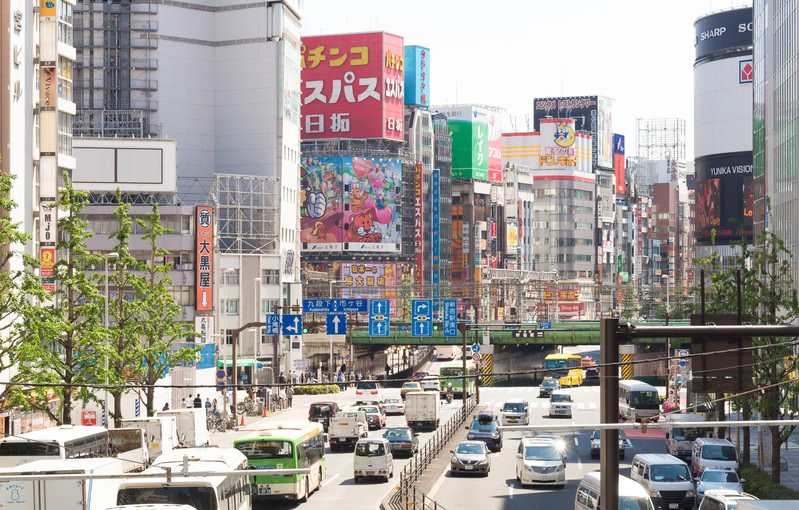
(264, 408)
(242, 420)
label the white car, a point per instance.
(560, 404)
(368, 391)
(515, 412)
(715, 478)
(431, 384)
(394, 406)
(540, 461)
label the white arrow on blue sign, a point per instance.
(336, 323)
(291, 324)
(475, 348)
(379, 317)
(421, 317)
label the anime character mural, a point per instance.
(321, 210)
(372, 188)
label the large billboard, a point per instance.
(476, 142)
(351, 204)
(417, 75)
(591, 114)
(204, 254)
(724, 198)
(718, 33)
(353, 86)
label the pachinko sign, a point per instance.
(353, 86)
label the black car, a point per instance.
(485, 427)
(322, 412)
(591, 376)
(403, 440)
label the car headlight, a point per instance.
(690, 493)
(654, 493)
(562, 467)
(455, 460)
(470, 436)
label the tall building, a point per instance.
(723, 76)
(226, 88)
(775, 115)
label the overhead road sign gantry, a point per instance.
(338, 305)
(422, 317)
(450, 317)
(336, 323)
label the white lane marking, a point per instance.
(437, 485)
(510, 491)
(330, 479)
(579, 465)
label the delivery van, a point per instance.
(631, 494)
(373, 458)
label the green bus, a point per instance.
(452, 373)
(286, 445)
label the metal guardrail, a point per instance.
(406, 496)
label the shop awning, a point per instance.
(240, 362)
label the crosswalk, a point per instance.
(586, 397)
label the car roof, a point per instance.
(538, 440)
(659, 458)
(471, 442)
(412, 383)
(516, 401)
(729, 495)
(561, 392)
(713, 440)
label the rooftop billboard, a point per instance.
(353, 86)
(417, 75)
(476, 142)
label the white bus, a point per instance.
(204, 492)
(638, 400)
(64, 442)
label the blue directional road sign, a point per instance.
(475, 348)
(335, 305)
(272, 324)
(336, 323)
(379, 313)
(291, 324)
(544, 325)
(421, 317)
(450, 317)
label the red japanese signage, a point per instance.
(205, 258)
(418, 220)
(353, 86)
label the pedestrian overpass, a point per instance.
(562, 333)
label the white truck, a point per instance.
(130, 445)
(160, 433)
(679, 438)
(422, 410)
(55, 486)
(346, 428)
(192, 425)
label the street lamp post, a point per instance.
(256, 292)
(235, 337)
(330, 368)
(108, 256)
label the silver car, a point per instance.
(470, 457)
(716, 478)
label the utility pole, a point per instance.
(235, 338)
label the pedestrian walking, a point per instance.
(166, 406)
(187, 403)
(289, 394)
(198, 402)
(207, 404)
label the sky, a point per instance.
(506, 53)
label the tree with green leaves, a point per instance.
(61, 348)
(768, 296)
(161, 332)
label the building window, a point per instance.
(270, 276)
(230, 306)
(227, 334)
(230, 276)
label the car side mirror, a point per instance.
(518, 455)
(452, 451)
(743, 480)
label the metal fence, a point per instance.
(406, 496)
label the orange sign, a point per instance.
(47, 8)
(205, 258)
(47, 260)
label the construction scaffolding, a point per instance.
(248, 214)
(661, 139)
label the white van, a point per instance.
(373, 459)
(713, 452)
(666, 478)
(631, 494)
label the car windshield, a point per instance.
(719, 452)
(370, 410)
(320, 410)
(367, 385)
(670, 473)
(560, 397)
(397, 434)
(469, 448)
(719, 476)
(644, 398)
(410, 385)
(595, 435)
(684, 434)
(541, 452)
(483, 427)
(265, 449)
(549, 382)
(634, 503)
(369, 449)
(513, 407)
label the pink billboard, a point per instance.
(353, 86)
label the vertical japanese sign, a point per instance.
(353, 86)
(417, 75)
(205, 258)
(619, 169)
(418, 220)
(435, 233)
(48, 141)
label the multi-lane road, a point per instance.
(499, 490)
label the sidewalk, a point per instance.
(789, 459)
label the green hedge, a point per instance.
(317, 389)
(758, 483)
